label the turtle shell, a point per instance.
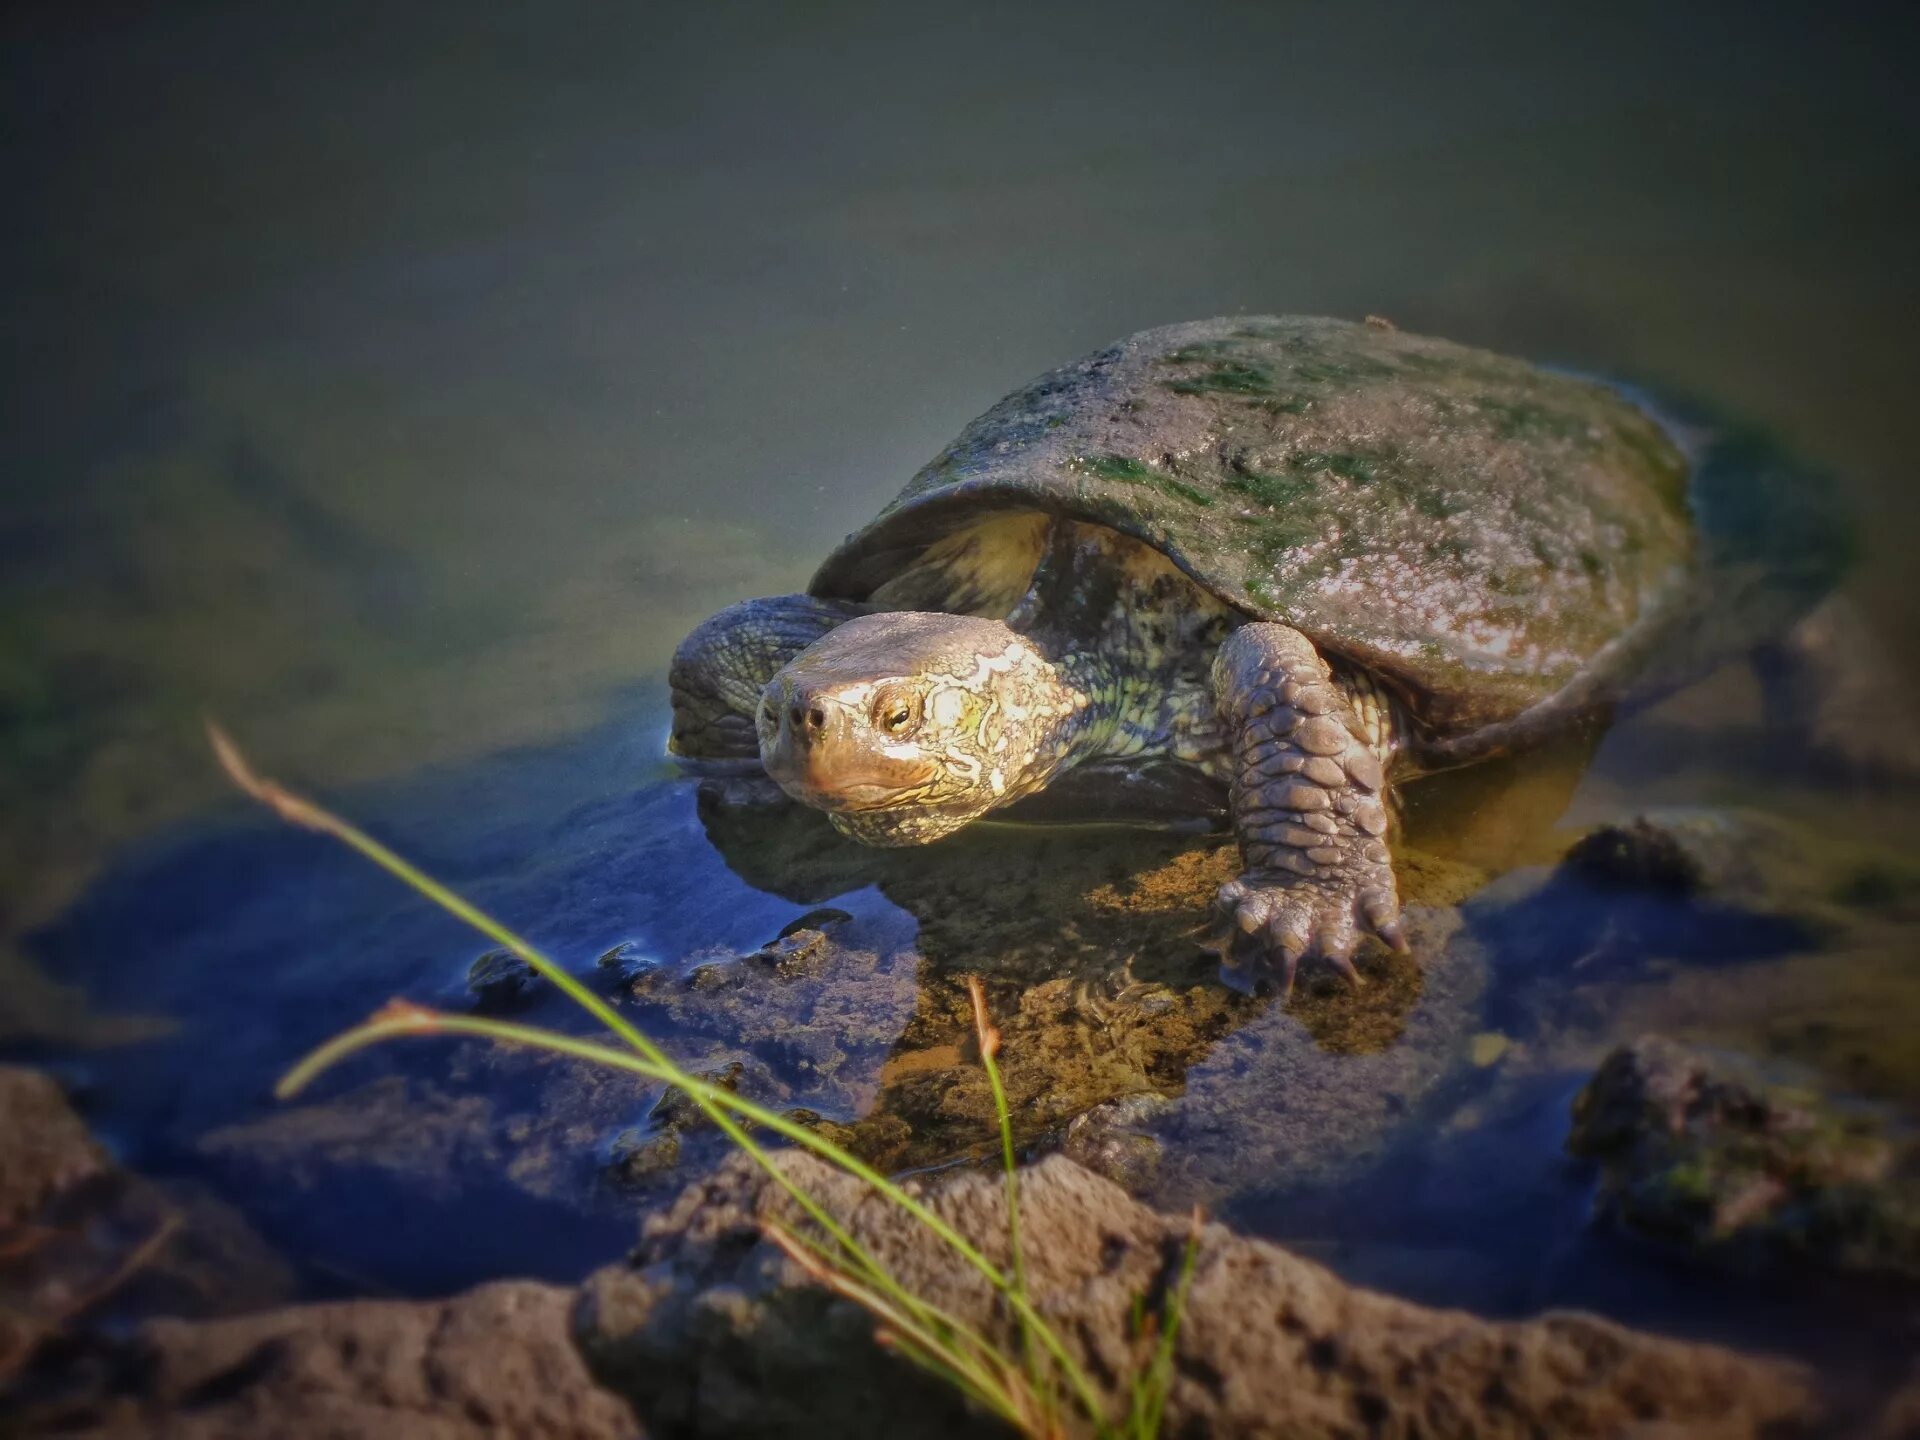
(1481, 533)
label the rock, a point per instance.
(1833, 686)
(1682, 885)
(495, 1361)
(636, 1159)
(796, 952)
(477, 1120)
(818, 918)
(677, 1111)
(1645, 852)
(1297, 1100)
(628, 962)
(1694, 1151)
(47, 1147)
(641, 1156)
(501, 981)
(1740, 860)
(712, 1331)
(81, 1238)
(1113, 1140)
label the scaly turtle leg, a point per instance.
(720, 670)
(1308, 808)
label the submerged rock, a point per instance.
(627, 963)
(1116, 1140)
(500, 981)
(1694, 1151)
(711, 1330)
(644, 1155)
(1678, 886)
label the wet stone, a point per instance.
(715, 975)
(627, 963)
(1117, 1140)
(796, 952)
(678, 1111)
(817, 920)
(637, 1158)
(501, 981)
(1707, 1152)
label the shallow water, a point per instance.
(402, 389)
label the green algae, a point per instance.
(1528, 420)
(1128, 471)
(1226, 378)
(1360, 469)
(1271, 489)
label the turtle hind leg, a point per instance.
(1308, 793)
(720, 670)
(1836, 701)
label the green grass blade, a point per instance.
(1157, 1380)
(400, 1019)
(989, 1039)
(298, 810)
(712, 1101)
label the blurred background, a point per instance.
(400, 383)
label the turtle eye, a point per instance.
(896, 711)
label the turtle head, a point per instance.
(904, 726)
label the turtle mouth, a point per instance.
(851, 795)
(815, 779)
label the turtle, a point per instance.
(1270, 568)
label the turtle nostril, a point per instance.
(817, 718)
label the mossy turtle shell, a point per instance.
(1478, 531)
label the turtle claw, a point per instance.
(1278, 921)
(1339, 954)
(1382, 914)
(1290, 947)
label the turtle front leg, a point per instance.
(720, 670)
(1308, 797)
